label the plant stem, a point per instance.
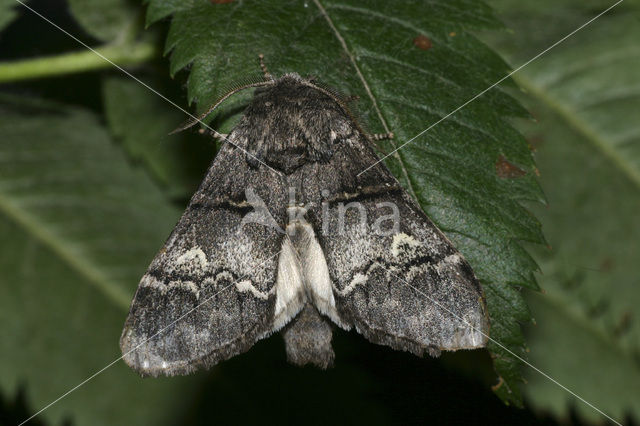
(67, 63)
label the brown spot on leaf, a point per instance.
(535, 141)
(422, 42)
(452, 34)
(498, 385)
(624, 324)
(507, 170)
(607, 264)
(221, 1)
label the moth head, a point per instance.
(291, 120)
(289, 79)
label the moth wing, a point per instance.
(406, 287)
(210, 293)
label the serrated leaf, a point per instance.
(78, 226)
(586, 94)
(587, 333)
(106, 20)
(8, 12)
(142, 122)
(377, 50)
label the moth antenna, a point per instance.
(263, 67)
(204, 115)
(382, 136)
(373, 138)
(213, 134)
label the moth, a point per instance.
(274, 240)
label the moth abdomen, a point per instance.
(308, 339)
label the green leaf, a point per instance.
(78, 226)
(586, 93)
(8, 12)
(372, 49)
(106, 20)
(587, 332)
(143, 121)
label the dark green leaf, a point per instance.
(587, 98)
(78, 226)
(587, 332)
(372, 49)
(106, 20)
(143, 121)
(8, 12)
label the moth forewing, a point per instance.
(284, 234)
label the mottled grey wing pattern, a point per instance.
(209, 293)
(228, 276)
(407, 288)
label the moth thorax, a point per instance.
(291, 124)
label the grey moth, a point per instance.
(274, 240)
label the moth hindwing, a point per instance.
(283, 234)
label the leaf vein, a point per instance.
(67, 254)
(368, 90)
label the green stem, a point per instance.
(121, 54)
